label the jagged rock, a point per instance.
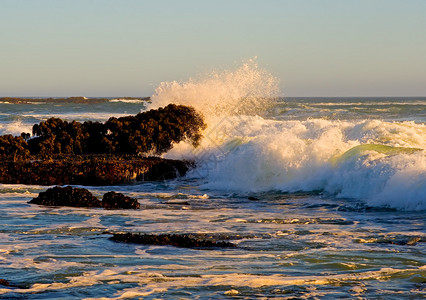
(154, 131)
(177, 240)
(67, 196)
(113, 200)
(95, 153)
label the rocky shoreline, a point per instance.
(95, 170)
(93, 153)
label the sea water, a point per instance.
(325, 198)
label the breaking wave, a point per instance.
(380, 162)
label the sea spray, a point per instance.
(247, 90)
(246, 151)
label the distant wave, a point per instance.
(78, 116)
(128, 100)
(384, 103)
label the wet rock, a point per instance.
(177, 240)
(4, 282)
(393, 240)
(113, 200)
(408, 241)
(67, 196)
(97, 170)
(154, 131)
(94, 153)
(165, 170)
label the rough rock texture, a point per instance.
(177, 240)
(67, 196)
(113, 200)
(91, 170)
(150, 132)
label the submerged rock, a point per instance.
(177, 240)
(67, 196)
(113, 200)
(4, 282)
(80, 197)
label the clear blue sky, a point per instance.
(127, 47)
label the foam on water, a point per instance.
(244, 151)
(15, 128)
(251, 154)
(127, 100)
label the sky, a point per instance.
(128, 47)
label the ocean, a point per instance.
(325, 198)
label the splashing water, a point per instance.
(246, 90)
(246, 151)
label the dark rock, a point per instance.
(409, 241)
(252, 198)
(153, 131)
(13, 147)
(67, 196)
(164, 170)
(94, 153)
(4, 282)
(95, 170)
(113, 200)
(177, 240)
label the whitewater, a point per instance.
(328, 192)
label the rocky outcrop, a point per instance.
(113, 200)
(80, 197)
(67, 196)
(94, 153)
(177, 240)
(94, 170)
(154, 131)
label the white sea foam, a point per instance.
(245, 152)
(15, 128)
(128, 100)
(248, 89)
(155, 282)
(251, 154)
